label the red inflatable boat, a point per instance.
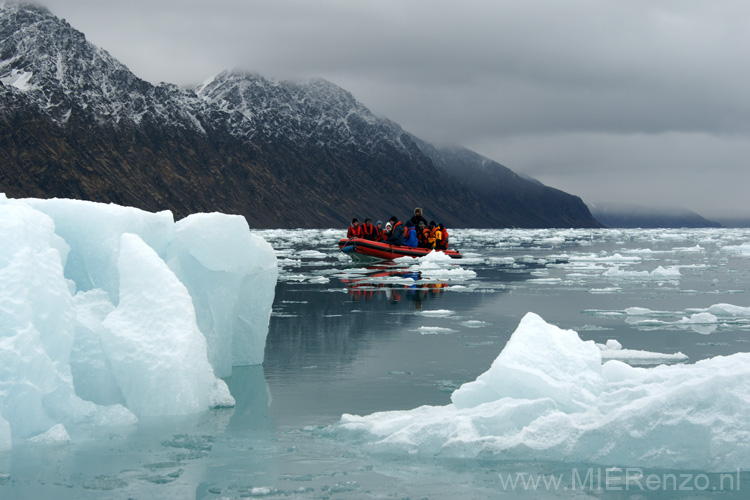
(359, 248)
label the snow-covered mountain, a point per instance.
(75, 122)
(62, 73)
(315, 111)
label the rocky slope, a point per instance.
(74, 122)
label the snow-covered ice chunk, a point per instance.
(639, 312)
(439, 270)
(311, 254)
(612, 349)
(743, 249)
(432, 330)
(703, 318)
(474, 323)
(660, 273)
(539, 360)
(57, 434)
(730, 310)
(435, 256)
(703, 322)
(561, 404)
(158, 354)
(437, 313)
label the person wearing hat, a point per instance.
(417, 218)
(396, 236)
(380, 231)
(355, 230)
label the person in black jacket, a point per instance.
(417, 217)
(396, 237)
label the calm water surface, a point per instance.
(349, 338)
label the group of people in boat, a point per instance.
(416, 232)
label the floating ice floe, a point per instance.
(433, 330)
(437, 313)
(743, 250)
(441, 270)
(607, 290)
(613, 350)
(702, 321)
(548, 396)
(311, 254)
(660, 273)
(643, 311)
(475, 323)
(606, 259)
(109, 312)
(729, 310)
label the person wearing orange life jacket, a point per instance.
(368, 230)
(380, 231)
(396, 236)
(424, 235)
(355, 230)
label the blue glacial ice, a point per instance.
(110, 313)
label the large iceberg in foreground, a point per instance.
(548, 397)
(108, 313)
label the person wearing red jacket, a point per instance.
(355, 230)
(441, 237)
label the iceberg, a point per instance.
(549, 397)
(152, 340)
(110, 313)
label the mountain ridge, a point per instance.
(75, 122)
(622, 215)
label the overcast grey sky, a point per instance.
(639, 101)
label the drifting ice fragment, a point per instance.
(613, 350)
(547, 397)
(57, 434)
(539, 360)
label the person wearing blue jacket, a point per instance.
(410, 238)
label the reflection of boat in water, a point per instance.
(393, 285)
(362, 249)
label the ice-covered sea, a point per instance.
(366, 389)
